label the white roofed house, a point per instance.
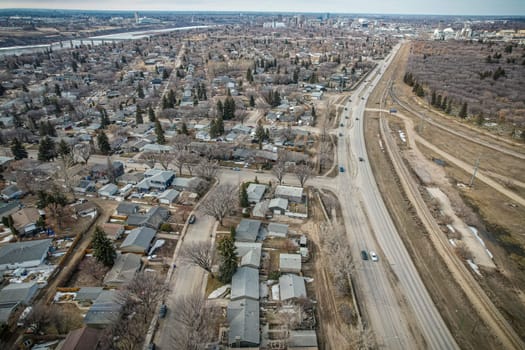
(293, 194)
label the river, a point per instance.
(94, 40)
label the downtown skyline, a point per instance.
(409, 7)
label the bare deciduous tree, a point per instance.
(302, 172)
(199, 254)
(207, 169)
(82, 152)
(279, 168)
(195, 323)
(220, 202)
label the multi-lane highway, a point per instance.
(369, 227)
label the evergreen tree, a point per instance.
(151, 114)
(433, 99)
(140, 91)
(58, 92)
(213, 129)
(444, 105)
(104, 119)
(438, 101)
(18, 149)
(463, 112)
(2, 90)
(449, 107)
(243, 196)
(63, 148)
(184, 129)
(103, 143)
(103, 249)
(138, 116)
(165, 74)
(160, 133)
(252, 101)
(46, 149)
(219, 123)
(249, 76)
(220, 109)
(228, 255)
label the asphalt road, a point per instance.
(370, 227)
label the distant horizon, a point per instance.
(511, 8)
(261, 12)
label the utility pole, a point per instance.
(475, 171)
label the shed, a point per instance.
(126, 208)
(277, 230)
(168, 197)
(290, 263)
(302, 340)
(113, 231)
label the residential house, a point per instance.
(302, 340)
(130, 178)
(291, 287)
(101, 171)
(108, 190)
(126, 208)
(168, 197)
(155, 148)
(14, 294)
(256, 192)
(152, 219)
(138, 240)
(84, 186)
(156, 179)
(243, 319)
(248, 230)
(192, 184)
(278, 206)
(277, 230)
(290, 263)
(249, 253)
(85, 338)
(25, 220)
(293, 194)
(104, 311)
(245, 284)
(7, 209)
(260, 209)
(123, 271)
(113, 231)
(24, 254)
(86, 209)
(11, 192)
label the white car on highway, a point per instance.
(373, 256)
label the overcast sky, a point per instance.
(447, 7)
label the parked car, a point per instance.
(163, 311)
(191, 219)
(341, 169)
(361, 159)
(364, 255)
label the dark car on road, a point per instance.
(364, 255)
(361, 159)
(163, 311)
(191, 219)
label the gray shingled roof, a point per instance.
(104, 311)
(243, 317)
(124, 269)
(138, 240)
(245, 283)
(250, 253)
(20, 252)
(18, 293)
(255, 192)
(290, 262)
(247, 230)
(303, 339)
